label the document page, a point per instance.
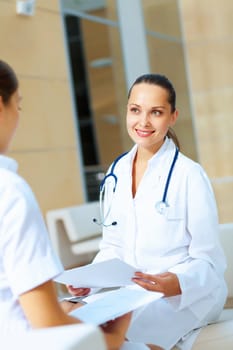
(109, 273)
(113, 304)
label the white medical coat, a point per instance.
(26, 256)
(184, 240)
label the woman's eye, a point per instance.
(156, 113)
(134, 110)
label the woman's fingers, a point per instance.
(78, 291)
(167, 282)
(148, 284)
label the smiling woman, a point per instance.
(175, 245)
(151, 110)
(151, 113)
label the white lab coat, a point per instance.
(26, 255)
(184, 240)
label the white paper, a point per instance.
(109, 273)
(128, 345)
(113, 304)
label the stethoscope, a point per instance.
(159, 206)
(101, 195)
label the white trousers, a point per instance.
(160, 324)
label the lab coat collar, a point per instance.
(168, 145)
(8, 163)
(167, 148)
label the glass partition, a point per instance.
(96, 70)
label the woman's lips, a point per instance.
(144, 133)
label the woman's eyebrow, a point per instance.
(158, 107)
(133, 104)
(153, 107)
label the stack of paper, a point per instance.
(110, 305)
(106, 306)
(110, 273)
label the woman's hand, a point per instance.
(115, 331)
(78, 291)
(166, 283)
(68, 306)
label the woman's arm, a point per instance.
(202, 273)
(42, 309)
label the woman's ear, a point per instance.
(2, 110)
(1, 104)
(174, 117)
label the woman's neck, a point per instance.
(139, 167)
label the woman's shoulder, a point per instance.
(14, 188)
(188, 165)
(9, 178)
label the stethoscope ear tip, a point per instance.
(114, 223)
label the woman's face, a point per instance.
(9, 119)
(149, 116)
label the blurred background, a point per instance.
(76, 60)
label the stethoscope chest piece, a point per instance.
(161, 207)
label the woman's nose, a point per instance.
(144, 120)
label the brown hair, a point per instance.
(8, 81)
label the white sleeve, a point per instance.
(203, 271)
(29, 259)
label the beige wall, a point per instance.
(202, 70)
(208, 29)
(45, 143)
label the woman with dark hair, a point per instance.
(160, 215)
(27, 262)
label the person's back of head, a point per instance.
(8, 81)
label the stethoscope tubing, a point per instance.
(111, 173)
(159, 206)
(169, 176)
